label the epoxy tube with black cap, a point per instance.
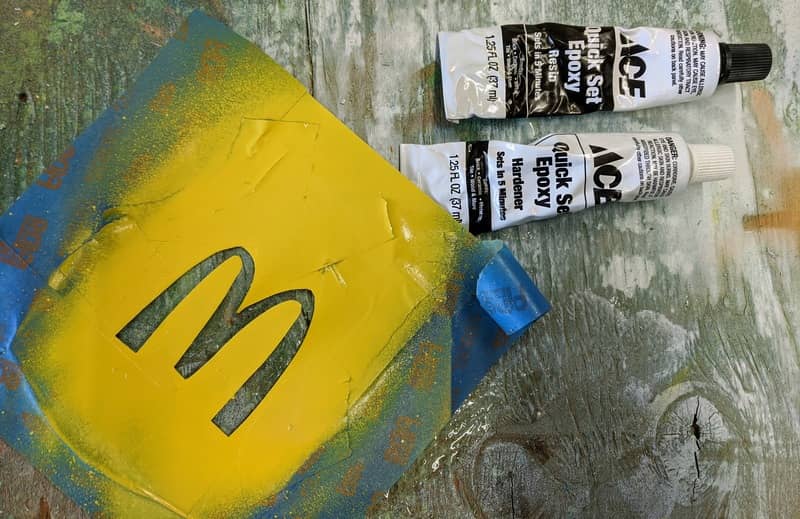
(553, 69)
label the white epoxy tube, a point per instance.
(489, 185)
(554, 69)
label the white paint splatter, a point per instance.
(678, 263)
(628, 273)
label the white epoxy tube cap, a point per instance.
(711, 162)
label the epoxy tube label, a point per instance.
(473, 73)
(499, 184)
(655, 67)
(548, 69)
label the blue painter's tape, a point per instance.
(498, 303)
(508, 295)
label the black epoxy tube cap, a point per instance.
(744, 62)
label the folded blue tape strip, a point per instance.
(504, 302)
(507, 294)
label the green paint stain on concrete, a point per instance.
(21, 53)
(66, 22)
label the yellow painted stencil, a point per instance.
(268, 219)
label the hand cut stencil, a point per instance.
(149, 382)
(267, 318)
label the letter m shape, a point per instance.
(223, 325)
